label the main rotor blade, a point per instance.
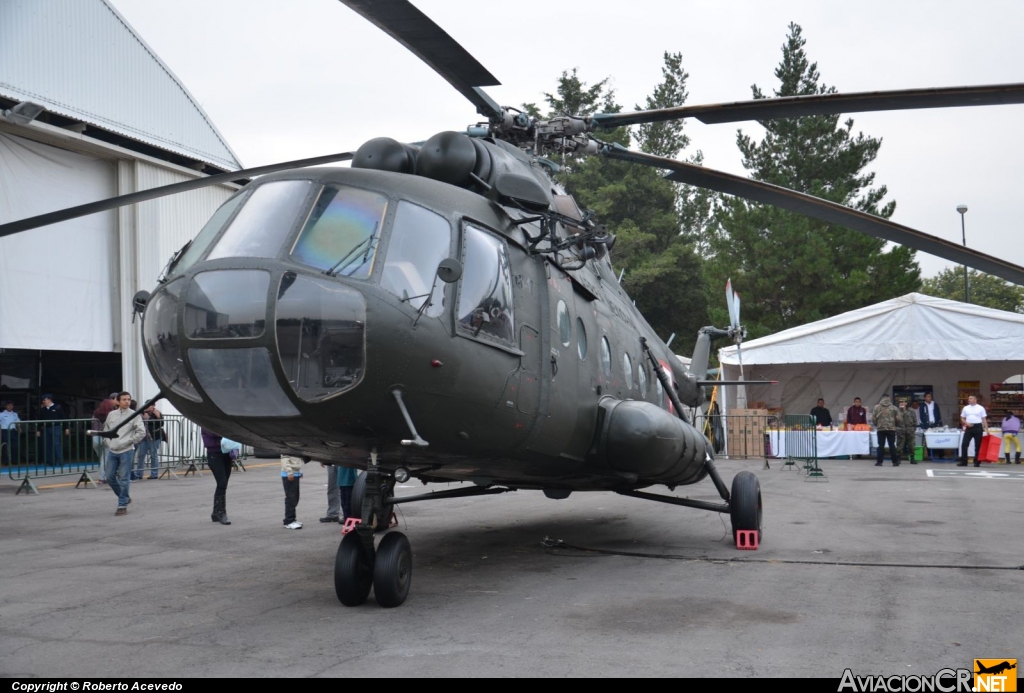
(824, 104)
(432, 44)
(161, 191)
(823, 210)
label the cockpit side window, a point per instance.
(420, 239)
(485, 294)
(264, 221)
(342, 232)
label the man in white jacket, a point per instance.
(121, 449)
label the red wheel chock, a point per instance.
(746, 539)
(350, 524)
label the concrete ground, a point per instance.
(881, 570)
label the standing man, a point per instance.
(907, 426)
(152, 421)
(886, 418)
(974, 420)
(333, 494)
(822, 416)
(51, 411)
(121, 450)
(930, 415)
(9, 434)
(856, 414)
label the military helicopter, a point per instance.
(445, 311)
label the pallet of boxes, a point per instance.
(745, 432)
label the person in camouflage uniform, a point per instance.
(887, 420)
(906, 427)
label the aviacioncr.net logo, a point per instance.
(944, 681)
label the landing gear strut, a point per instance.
(359, 565)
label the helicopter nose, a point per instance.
(236, 322)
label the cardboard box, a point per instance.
(745, 431)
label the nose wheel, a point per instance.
(387, 569)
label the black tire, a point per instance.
(717, 431)
(359, 489)
(353, 576)
(745, 504)
(392, 570)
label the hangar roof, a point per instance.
(82, 60)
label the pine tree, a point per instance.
(790, 269)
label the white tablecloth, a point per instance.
(830, 443)
(839, 443)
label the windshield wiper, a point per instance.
(169, 267)
(343, 262)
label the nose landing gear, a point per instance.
(359, 565)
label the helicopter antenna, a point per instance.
(622, 272)
(671, 337)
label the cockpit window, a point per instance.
(320, 336)
(241, 382)
(485, 298)
(265, 220)
(420, 239)
(342, 232)
(209, 232)
(227, 304)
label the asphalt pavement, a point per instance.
(881, 570)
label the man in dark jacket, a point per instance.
(929, 413)
(822, 416)
(52, 449)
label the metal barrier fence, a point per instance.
(760, 436)
(802, 443)
(42, 449)
(36, 449)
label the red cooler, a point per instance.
(990, 446)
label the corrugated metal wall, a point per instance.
(81, 59)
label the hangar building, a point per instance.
(88, 111)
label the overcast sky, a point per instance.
(285, 80)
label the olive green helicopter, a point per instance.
(445, 311)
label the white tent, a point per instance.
(910, 340)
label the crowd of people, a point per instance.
(901, 427)
(136, 447)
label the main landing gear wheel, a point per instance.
(745, 504)
(353, 574)
(387, 488)
(392, 570)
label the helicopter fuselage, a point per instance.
(309, 313)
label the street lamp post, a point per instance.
(962, 208)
